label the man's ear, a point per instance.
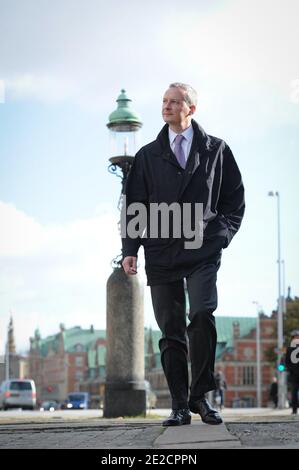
(192, 109)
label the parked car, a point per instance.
(49, 406)
(18, 393)
(78, 401)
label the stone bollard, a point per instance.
(125, 389)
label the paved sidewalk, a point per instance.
(90, 431)
(113, 434)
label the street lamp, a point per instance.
(258, 356)
(284, 306)
(123, 124)
(125, 393)
(281, 377)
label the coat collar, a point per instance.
(187, 134)
(199, 135)
(201, 142)
(162, 148)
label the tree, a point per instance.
(291, 321)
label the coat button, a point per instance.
(179, 172)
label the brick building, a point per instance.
(74, 360)
(62, 363)
(235, 355)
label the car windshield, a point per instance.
(76, 397)
(20, 386)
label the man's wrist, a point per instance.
(125, 255)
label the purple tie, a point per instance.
(178, 150)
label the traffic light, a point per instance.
(281, 367)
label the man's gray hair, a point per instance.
(190, 96)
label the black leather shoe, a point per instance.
(178, 418)
(208, 414)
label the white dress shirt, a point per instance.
(187, 141)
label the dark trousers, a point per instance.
(198, 339)
(295, 391)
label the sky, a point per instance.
(62, 66)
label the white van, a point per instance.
(18, 393)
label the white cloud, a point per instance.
(42, 88)
(59, 271)
(2, 91)
(20, 234)
(233, 45)
(244, 42)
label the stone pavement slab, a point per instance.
(198, 435)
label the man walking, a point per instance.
(184, 165)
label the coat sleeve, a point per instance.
(135, 191)
(231, 201)
(291, 366)
(288, 363)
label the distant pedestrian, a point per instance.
(220, 387)
(292, 365)
(273, 394)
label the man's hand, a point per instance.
(130, 265)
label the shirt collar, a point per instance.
(188, 134)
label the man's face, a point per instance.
(175, 110)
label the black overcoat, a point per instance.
(211, 177)
(292, 365)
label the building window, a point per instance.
(79, 361)
(248, 375)
(79, 375)
(248, 353)
(79, 348)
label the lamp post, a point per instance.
(258, 357)
(125, 393)
(7, 361)
(284, 306)
(281, 376)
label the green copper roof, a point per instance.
(156, 336)
(101, 355)
(76, 336)
(72, 337)
(225, 328)
(97, 358)
(86, 338)
(124, 117)
(91, 358)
